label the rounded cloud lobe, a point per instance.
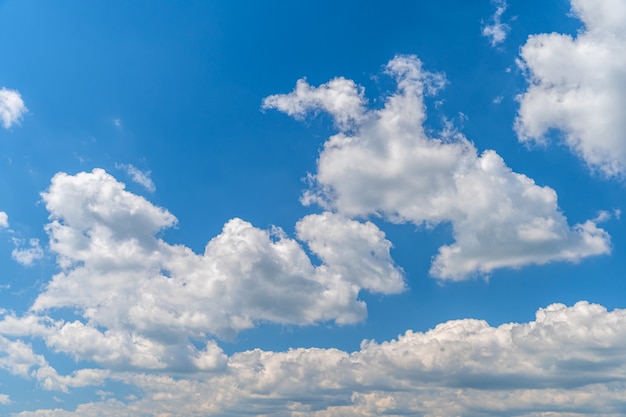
(578, 86)
(382, 162)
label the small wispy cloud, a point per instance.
(4, 220)
(138, 176)
(26, 256)
(497, 31)
(11, 107)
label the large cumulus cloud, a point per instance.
(142, 301)
(383, 162)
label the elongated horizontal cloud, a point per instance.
(142, 299)
(577, 85)
(568, 361)
(382, 162)
(11, 107)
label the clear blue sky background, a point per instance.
(175, 91)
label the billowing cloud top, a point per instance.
(578, 86)
(382, 162)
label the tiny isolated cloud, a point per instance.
(497, 31)
(4, 220)
(382, 162)
(577, 85)
(26, 255)
(11, 107)
(140, 177)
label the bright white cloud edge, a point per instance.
(577, 85)
(382, 162)
(567, 362)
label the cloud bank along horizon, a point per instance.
(144, 321)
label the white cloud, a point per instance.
(4, 220)
(497, 31)
(18, 358)
(142, 298)
(5, 399)
(11, 107)
(339, 97)
(578, 86)
(140, 177)
(567, 362)
(384, 163)
(27, 256)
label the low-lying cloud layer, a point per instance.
(567, 362)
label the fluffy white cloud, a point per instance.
(497, 31)
(382, 162)
(567, 362)
(4, 220)
(578, 86)
(140, 177)
(11, 107)
(142, 298)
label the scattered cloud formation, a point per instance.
(577, 85)
(497, 31)
(11, 107)
(26, 256)
(140, 177)
(568, 361)
(382, 162)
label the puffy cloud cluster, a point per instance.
(383, 162)
(11, 107)
(567, 362)
(142, 299)
(578, 86)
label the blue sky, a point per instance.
(312, 209)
